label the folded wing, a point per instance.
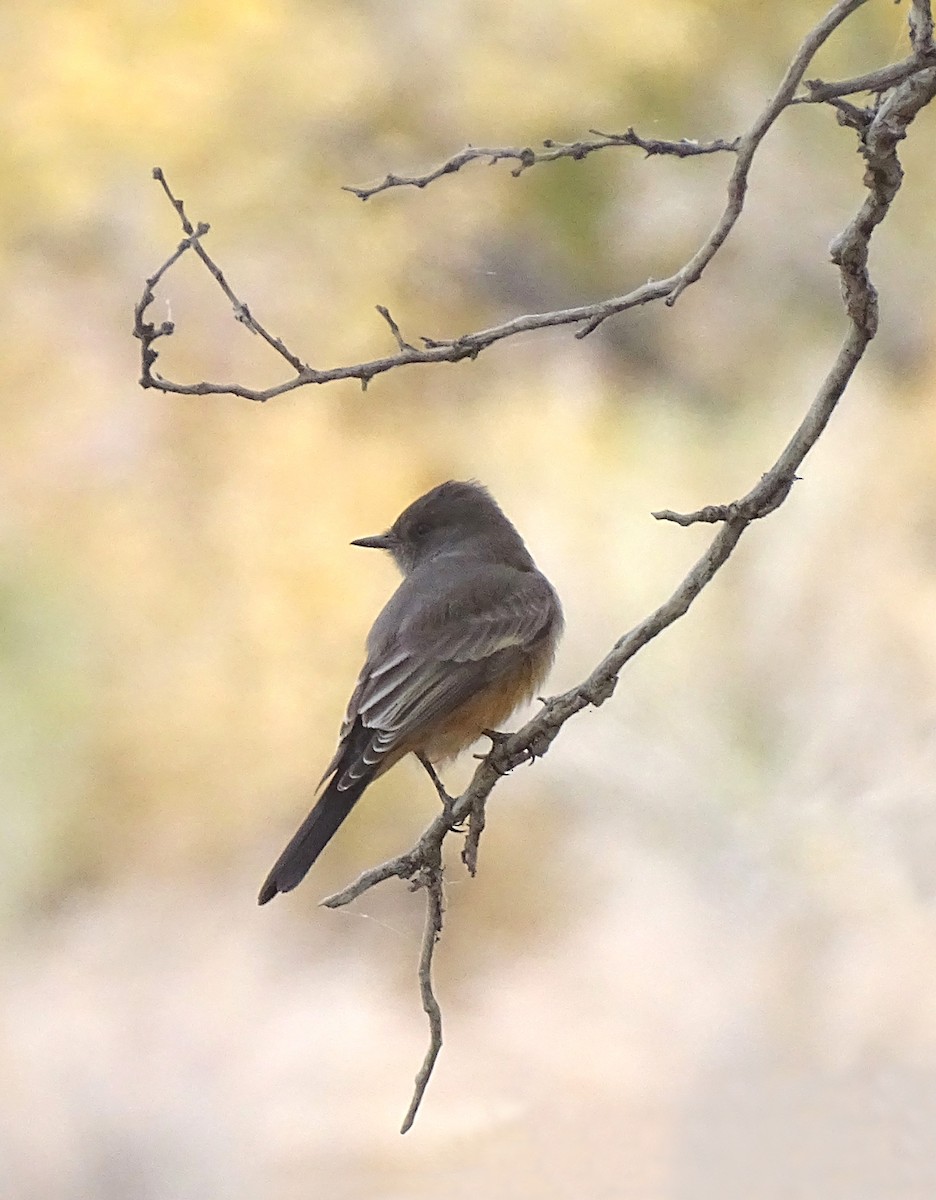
(437, 658)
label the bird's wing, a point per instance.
(431, 650)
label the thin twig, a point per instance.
(526, 157)
(241, 312)
(394, 328)
(819, 91)
(146, 331)
(683, 148)
(431, 880)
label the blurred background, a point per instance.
(699, 958)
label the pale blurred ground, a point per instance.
(700, 957)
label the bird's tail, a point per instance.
(312, 836)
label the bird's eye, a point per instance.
(420, 529)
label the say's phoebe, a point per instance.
(468, 635)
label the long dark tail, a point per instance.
(312, 836)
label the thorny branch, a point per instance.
(901, 90)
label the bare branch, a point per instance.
(921, 27)
(146, 331)
(849, 252)
(527, 157)
(241, 311)
(589, 317)
(874, 81)
(684, 148)
(431, 880)
(394, 328)
(923, 56)
(476, 822)
(901, 89)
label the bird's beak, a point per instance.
(380, 541)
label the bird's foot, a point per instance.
(448, 802)
(498, 739)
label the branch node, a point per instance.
(767, 496)
(590, 326)
(600, 690)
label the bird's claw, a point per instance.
(448, 808)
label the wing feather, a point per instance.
(428, 655)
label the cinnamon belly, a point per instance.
(489, 708)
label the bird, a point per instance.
(467, 637)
